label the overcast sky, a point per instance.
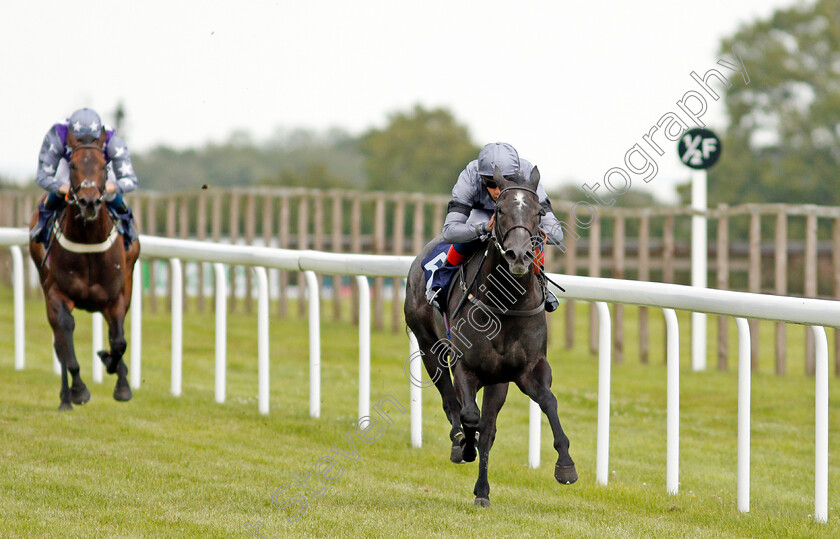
(572, 85)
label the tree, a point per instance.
(7, 183)
(634, 198)
(313, 175)
(783, 139)
(423, 150)
(119, 118)
(303, 158)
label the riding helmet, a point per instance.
(498, 154)
(85, 122)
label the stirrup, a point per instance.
(432, 297)
(35, 233)
(130, 230)
(551, 301)
(123, 218)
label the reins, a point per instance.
(72, 199)
(500, 241)
(494, 239)
(472, 282)
(85, 184)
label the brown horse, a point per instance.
(87, 266)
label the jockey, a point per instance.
(470, 218)
(54, 174)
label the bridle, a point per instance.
(499, 240)
(73, 200)
(73, 193)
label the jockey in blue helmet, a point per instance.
(54, 175)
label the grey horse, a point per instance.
(497, 335)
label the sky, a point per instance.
(572, 85)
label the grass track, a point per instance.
(161, 466)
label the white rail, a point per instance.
(672, 359)
(604, 373)
(177, 326)
(221, 334)
(364, 346)
(136, 326)
(812, 312)
(314, 344)
(744, 370)
(262, 336)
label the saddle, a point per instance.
(439, 275)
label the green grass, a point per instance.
(161, 466)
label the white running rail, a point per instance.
(812, 312)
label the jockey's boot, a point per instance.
(433, 294)
(125, 220)
(432, 297)
(40, 233)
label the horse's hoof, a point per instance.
(81, 396)
(482, 502)
(565, 475)
(106, 359)
(122, 393)
(65, 407)
(456, 455)
(467, 454)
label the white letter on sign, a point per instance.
(709, 146)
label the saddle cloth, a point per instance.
(437, 275)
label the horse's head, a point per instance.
(88, 172)
(518, 213)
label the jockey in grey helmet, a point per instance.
(469, 220)
(54, 175)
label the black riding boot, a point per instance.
(125, 221)
(551, 301)
(40, 233)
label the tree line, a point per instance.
(781, 144)
(421, 150)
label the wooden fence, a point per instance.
(771, 248)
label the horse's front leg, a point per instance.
(114, 313)
(466, 386)
(494, 398)
(537, 385)
(59, 309)
(436, 361)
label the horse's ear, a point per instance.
(534, 181)
(500, 180)
(497, 175)
(103, 136)
(71, 138)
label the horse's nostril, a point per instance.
(510, 256)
